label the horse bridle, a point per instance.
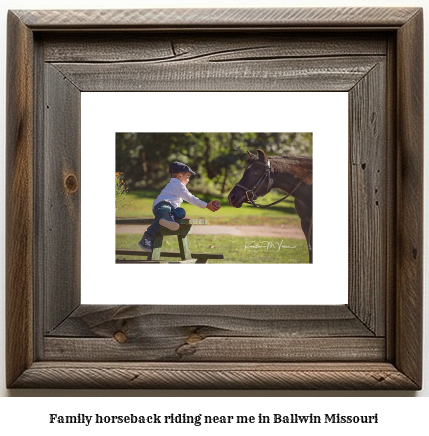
(267, 174)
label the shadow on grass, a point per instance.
(286, 209)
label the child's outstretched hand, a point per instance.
(213, 205)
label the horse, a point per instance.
(290, 173)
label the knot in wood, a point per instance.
(120, 337)
(193, 338)
(71, 183)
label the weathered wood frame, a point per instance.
(374, 342)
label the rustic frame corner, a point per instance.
(373, 342)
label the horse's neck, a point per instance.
(282, 179)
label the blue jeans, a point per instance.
(159, 211)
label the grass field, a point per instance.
(235, 249)
(140, 206)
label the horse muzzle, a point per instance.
(235, 200)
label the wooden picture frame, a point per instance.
(373, 342)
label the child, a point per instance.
(166, 207)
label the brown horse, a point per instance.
(293, 174)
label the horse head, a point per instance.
(255, 181)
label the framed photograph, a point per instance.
(236, 238)
(74, 81)
(218, 159)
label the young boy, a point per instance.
(166, 207)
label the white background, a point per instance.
(324, 114)
(399, 412)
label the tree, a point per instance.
(217, 158)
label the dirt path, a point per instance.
(272, 232)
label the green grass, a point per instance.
(282, 213)
(235, 249)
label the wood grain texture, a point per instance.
(409, 272)
(239, 321)
(368, 202)
(105, 375)
(213, 333)
(193, 346)
(19, 200)
(179, 47)
(289, 18)
(296, 74)
(61, 212)
(215, 349)
(391, 192)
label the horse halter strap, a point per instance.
(259, 182)
(266, 174)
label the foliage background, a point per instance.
(218, 158)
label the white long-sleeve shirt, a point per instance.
(175, 192)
